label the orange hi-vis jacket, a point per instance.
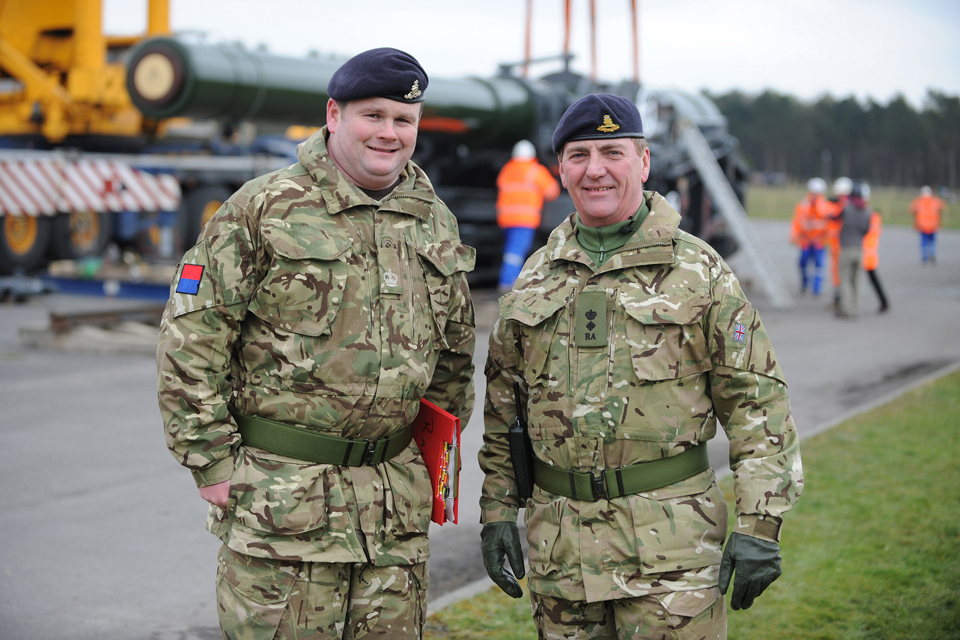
(926, 213)
(833, 237)
(524, 184)
(810, 219)
(871, 243)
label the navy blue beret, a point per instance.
(598, 116)
(379, 73)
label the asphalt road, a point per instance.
(102, 532)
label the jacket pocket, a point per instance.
(664, 335)
(408, 504)
(304, 286)
(685, 607)
(543, 530)
(439, 261)
(277, 497)
(539, 319)
(679, 533)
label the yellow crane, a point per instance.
(60, 75)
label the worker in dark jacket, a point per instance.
(855, 221)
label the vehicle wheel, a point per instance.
(80, 234)
(23, 243)
(196, 209)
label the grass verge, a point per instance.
(872, 550)
(893, 203)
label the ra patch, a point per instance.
(189, 281)
(591, 319)
(739, 332)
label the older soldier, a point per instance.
(322, 302)
(629, 340)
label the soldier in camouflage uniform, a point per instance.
(630, 340)
(322, 302)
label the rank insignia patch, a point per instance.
(739, 332)
(189, 281)
(591, 319)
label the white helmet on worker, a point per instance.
(926, 191)
(842, 186)
(816, 185)
(524, 150)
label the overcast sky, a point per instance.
(866, 48)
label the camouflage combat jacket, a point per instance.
(684, 349)
(322, 308)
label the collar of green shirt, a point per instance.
(602, 242)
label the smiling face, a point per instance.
(372, 139)
(605, 178)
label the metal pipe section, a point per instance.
(169, 78)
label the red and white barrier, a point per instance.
(51, 185)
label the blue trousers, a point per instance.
(813, 256)
(516, 246)
(928, 246)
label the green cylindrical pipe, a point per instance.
(169, 78)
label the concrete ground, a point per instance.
(103, 532)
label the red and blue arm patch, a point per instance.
(189, 281)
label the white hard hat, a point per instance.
(524, 149)
(816, 185)
(926, 191)
(842, 186)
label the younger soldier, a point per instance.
(629, 341)
(322, 302)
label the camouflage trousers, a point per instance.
(680, 615)
(265, 599)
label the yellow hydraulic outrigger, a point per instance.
(60, 75)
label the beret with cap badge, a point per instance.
(379, 73)
(598, 116)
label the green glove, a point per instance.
(496, 540)
(757, 563)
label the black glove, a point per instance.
(496, 540)
(757, 563)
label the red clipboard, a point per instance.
(437, 433)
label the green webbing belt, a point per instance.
(313, 446)
(613, 483)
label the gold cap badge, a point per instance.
(608, 126)
(414, 91)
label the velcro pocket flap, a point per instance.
(680, 307)
(448, 258)
(690, 604)
(299, 241)
(530, 308)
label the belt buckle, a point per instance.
(371, 446)
(596, 482)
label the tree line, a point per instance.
(887, 144)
